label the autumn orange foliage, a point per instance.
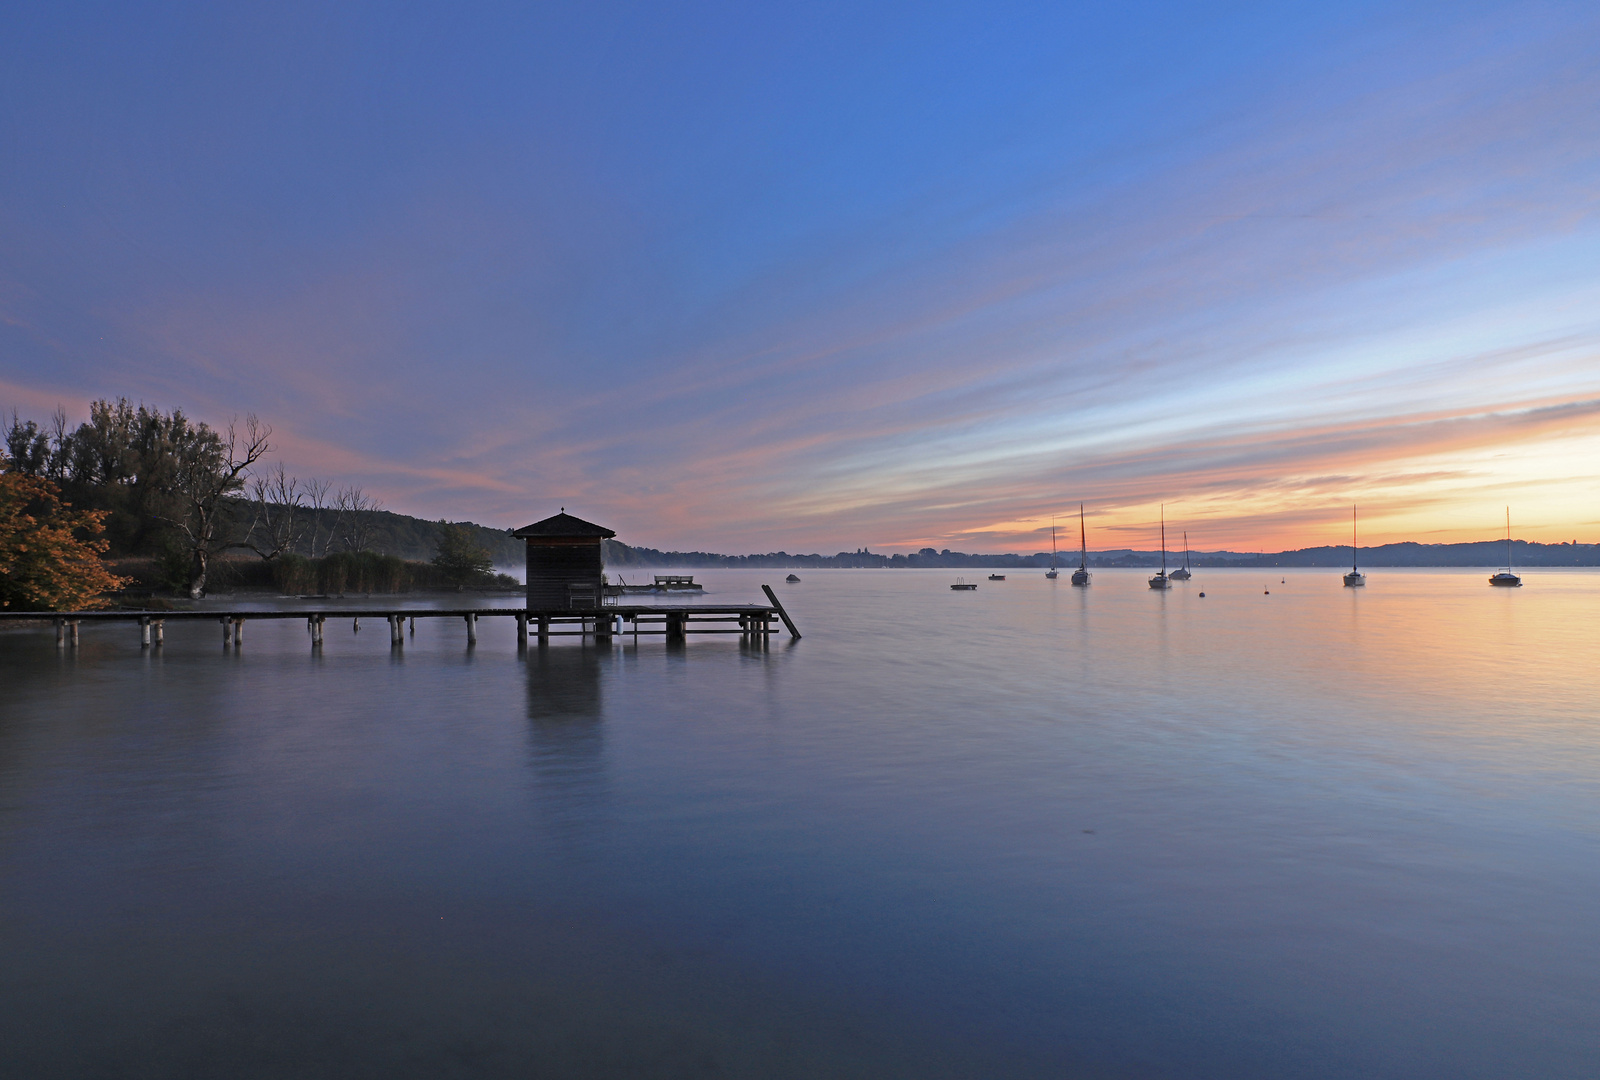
(49, 552)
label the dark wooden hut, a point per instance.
(566, 567)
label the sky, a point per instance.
(811, 277)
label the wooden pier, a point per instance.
(752, 622)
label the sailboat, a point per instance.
(1161, 581)
(1506, 577)
(1051, 573)
(1354, 578)
(1080, 576)
(1182, 572)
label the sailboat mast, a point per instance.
(1083, 539)
(1354, 553)
(1163, 538)
(1508, 538)
(1052, 543)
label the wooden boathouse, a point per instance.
(566, 563)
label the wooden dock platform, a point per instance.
(675, 622)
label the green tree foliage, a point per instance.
(161, 480)
(459, 558)
(49, 551)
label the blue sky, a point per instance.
(744, 278)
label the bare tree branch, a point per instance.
(356, 508)
(277, 523)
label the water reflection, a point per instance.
(566, 738)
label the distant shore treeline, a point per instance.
(1481, 553)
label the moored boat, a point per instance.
(1161, 581)
(664, 583)
(1505, 577)
(963, 585)
(1182, 573)
(1354, 579)
(1080, 576)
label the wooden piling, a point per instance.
(238, 632)
(544, 629)
(227, 631)
(472, 629)
(316, 631)
(144, 633)
(61, 633)
(72, 632)
(159, 626)
(782, 614)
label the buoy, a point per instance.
(1202, 594)
(1266, 592)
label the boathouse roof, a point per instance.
(564, 524)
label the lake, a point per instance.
(1284, 830)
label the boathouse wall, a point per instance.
(556, 566)
(566, 563)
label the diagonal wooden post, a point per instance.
(782, 614)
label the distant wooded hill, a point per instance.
(417, 538)
(1482, 553)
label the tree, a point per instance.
(279, 522)
(49, 552)
(208, 468)
(459, 559)
(317, 496)
(354, 518)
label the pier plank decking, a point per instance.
(674, 622)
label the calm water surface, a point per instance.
(1027, 831)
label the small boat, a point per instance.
(1182, 572)
(997, 577)
(1051, 573)
(1506, 577)
(963, 585)
(1354, 579)
(1161, 581)
(1080, 576)
(791, 577)
(664, 583)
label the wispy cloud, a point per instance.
(1371, 276)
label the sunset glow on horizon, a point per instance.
(743, 280)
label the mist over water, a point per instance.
(1285, 830)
